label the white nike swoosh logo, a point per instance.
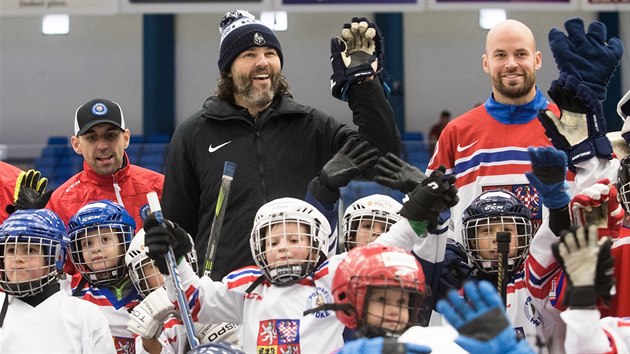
(213, 149)
(462, 148)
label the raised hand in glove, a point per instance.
(158, 237)
(30, 191)
(147, 318)
(434, 195)
(580, 136)
(397, 174)
(481, 322)
(455, 270)
(586, 55)
(382, 345)
(548, 176)
(598, 205)
(585, 262)
(356, 56)
(350, 161)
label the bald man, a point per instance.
(486, 147)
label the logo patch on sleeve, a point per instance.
(278, 336)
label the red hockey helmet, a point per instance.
(376, 266)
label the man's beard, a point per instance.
(243, 86)
(515, 92)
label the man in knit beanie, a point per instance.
(278, 144)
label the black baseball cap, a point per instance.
(95, 112)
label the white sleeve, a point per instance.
(401, 234)
(427, 247)
(96, 336)
(584, 332)
(592, 170)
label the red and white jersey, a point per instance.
(115, 306)
(272, 316)
(60, 324)
(485, 153)
(587, 333)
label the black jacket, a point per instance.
(277, 156)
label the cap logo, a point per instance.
(259, 40)
(99, 109)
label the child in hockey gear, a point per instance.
(367, 218)
(100, 234)
(289, 243)
(32, 253)
(169, 332)
(492, 212)
(378, 290)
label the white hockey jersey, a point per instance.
(272, 316)
(60, 324)
(587, 333)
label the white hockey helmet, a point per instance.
(373, 208)
(142, 269)
(298, 251)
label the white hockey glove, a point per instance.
(598, 205)
(217, 332)
(147, 319)
(581, 256)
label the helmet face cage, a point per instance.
(367, 218)
(480, 241)
(98, 252)
(387, 310)
(145, 276)
(623, 183)
(288, 239)
(27, 264)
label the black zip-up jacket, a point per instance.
(277, 154)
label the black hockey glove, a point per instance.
(30, 191)
(434, 195)
(395, 173)
(350, 161)
(455, 270)
(158, 237)
(356, 56)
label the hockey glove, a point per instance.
(577, 252)
(217, 332)
(382, 345)
(30, 191)
(435, 194)
(586, 55)
(598, 205)
(548, 176)
(158, 237)
(350, 161)
(147, 318)
(356, 56)
(482, 324)
(397, 174)
(455, 270)
(580, 136)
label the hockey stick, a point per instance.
(156, 209)
(503, 247)
(219, 212)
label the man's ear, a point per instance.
(74, 141)
(484, 64)
(127, 137)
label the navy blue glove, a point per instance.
(586, 55)
(482, 324)
(455, 270)
(356, 56)
(568, 134)
(382, 345)
(548, 176)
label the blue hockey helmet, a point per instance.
(26, 234)
(495, 211)
(100, 234)
(216, 348)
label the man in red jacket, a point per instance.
(100, 135)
